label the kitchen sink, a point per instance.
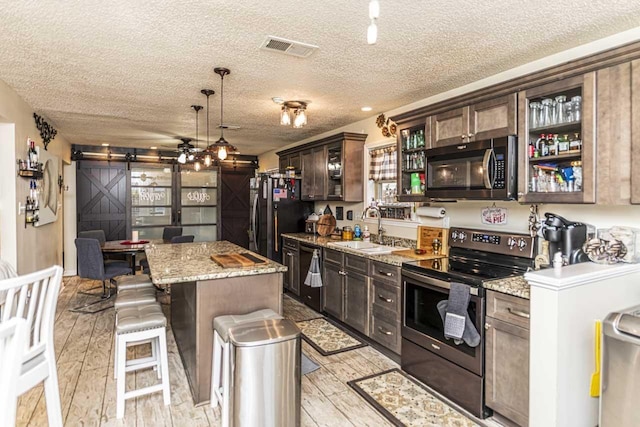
(366, 248)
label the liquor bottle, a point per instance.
(552, 141)
(532, 149)
(544, 146)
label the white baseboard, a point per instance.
(66, 273)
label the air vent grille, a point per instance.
(288, 47)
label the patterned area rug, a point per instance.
(326, 337)
(296, 311)
(405, 402)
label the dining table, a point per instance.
(129, 248)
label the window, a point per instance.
(383, 169)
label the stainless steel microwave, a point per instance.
(477, 170)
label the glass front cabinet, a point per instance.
(556, 147)
(413, 139)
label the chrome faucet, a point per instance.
(380, 229)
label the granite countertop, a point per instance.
(392, 259)
(516, 286)
(188, 262)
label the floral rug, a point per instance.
(405, 402)
(326, 337)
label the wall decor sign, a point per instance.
(198, 197)
(150, 196)
(494, 215)
(47, 132)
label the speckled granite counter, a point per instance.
(189, 262)
(202, 290)
(516, 286)
(323, 242)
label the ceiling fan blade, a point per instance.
(228, 126)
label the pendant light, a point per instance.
(207, 156)
(197, 109)
(221, 147)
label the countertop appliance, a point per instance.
(474, 170)
(277, 209)
(621, 369)
(475, 256)
(565, 236)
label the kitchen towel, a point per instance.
(431, 211)
(457, 324)
(313, 278)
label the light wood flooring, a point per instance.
(84, 351)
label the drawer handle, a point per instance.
(342, 273)
(383, 331)
(518, 313)
(289, 254)
(384, 273)
(389, 300)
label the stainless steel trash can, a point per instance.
(621, 369)
(265, 374)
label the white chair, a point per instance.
(34, 297)
(221, 360)
(13, 338)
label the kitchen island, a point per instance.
(201, 290)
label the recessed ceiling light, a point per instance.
(105, 144)
(366, 108)
(153, 148)
(278, 100)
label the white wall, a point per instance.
(467, 214)
(8, 210)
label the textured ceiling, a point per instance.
(125, 72)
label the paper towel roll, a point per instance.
(431, 211)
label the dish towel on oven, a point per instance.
(313, 278)
(457, 324)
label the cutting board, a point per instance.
(409, 253)
(326, 224)
(235, 260)
(426, 236)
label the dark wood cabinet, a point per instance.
(385, 310)
(356, 301)
(507, 356)
(332, 168)
(483, 120)
(290, 160)
(543, 179)
(291, 259)
(333, 289)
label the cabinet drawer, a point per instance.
(387, 272)
(333, 256)
(387, 297)
(385, 332)
(508, 308)
(355, 263)
(290, 244)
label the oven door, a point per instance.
(423, 325)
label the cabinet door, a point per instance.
(335, 157)
(308, 175)
(494, 118)
(295, 273)
(283, 163)
(294, 161)
(412, 140)
(536, 182)
(332, 290)
(507, 370)
(356, 301)
(450, 127)
(287, 259)
(320, 173)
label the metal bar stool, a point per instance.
(135, 325)
(220, 365)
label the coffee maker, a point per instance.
(565, 236)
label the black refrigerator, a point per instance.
(277, 209)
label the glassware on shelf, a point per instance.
(576, 107)
(534, 114)
(560, 110)
(545, 116)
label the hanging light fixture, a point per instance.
(293, 113)
(207, 155)
(374, 13)
(196, 164)
(221, 147)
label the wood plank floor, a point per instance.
(84, 350)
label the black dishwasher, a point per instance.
(310, 296)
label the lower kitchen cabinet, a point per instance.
(507, 356)
(291, 259)
(385, 305)
(332, 289)
(356, 301)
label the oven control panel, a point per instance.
(521, 245)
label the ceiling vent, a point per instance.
(289, 47)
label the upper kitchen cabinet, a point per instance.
(483, 120)
(332, 168)
(290, 161)
(556, 145)
(413, 138)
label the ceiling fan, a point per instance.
(186, 150)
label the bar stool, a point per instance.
(137, 281)
(220, 364)
(135, 325)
